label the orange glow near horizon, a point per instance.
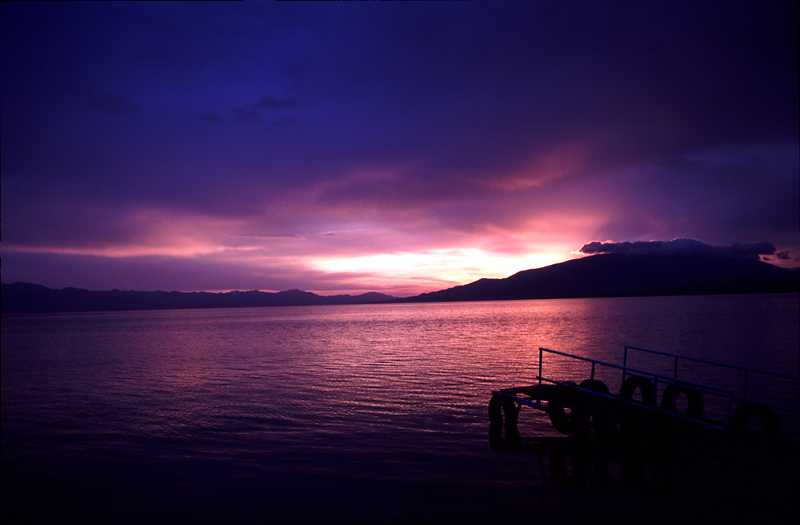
(431, 270)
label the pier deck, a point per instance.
(737, 428)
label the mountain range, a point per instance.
(30, 298)
(603, 275)
(619, 275)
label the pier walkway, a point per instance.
(752, 417)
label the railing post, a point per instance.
(539, 394)
(624, 363)
(540, 366)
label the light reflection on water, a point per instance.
(373, 409)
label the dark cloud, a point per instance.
(786, 255)
(247, 115)
(276, 103)
(211, 118)
(442, 124)
(105, 103)
(164, 273)
(680, 247)
(253, 112)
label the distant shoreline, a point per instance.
(604, 275)
(34, 298)
(12, 309)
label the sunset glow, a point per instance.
(279, 145)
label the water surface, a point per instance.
(364, 413)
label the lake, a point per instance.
(329, 414)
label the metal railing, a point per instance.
(747, 371)
(652, 403)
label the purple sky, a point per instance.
(401, 147)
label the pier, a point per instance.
(665, 409)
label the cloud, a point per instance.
(252, 112)
(246, 115)
(276, 103)
(211, 118)
(518, 128)
(105, 103)
(788, 256)
(680, 247)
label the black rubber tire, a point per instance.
(637, 382)
(769, 421)
(498, 407)
(595, 386)
(599, 408)
(561, 398)
(694, 396)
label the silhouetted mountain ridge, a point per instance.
(604, 275)
(615, 275)
(29, 298)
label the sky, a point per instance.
(398, 147)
